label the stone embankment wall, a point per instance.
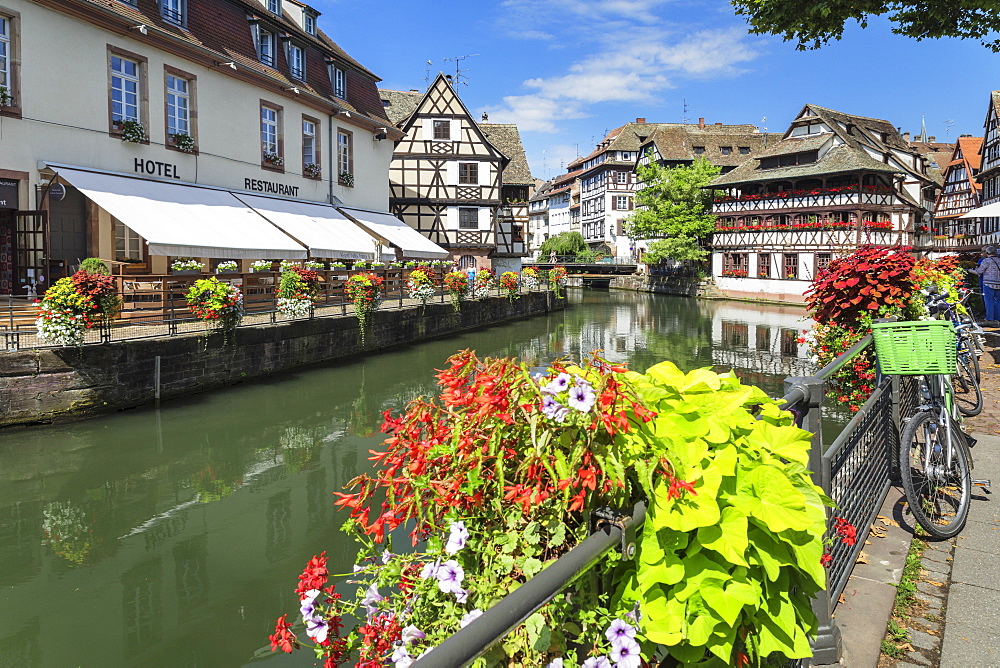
(669, 285)
(64, 383)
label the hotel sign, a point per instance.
(8, 194)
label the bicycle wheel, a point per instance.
(968, 395)
(967, 353)
(938, 495)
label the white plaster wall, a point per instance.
(65, 118)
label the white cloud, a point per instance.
(629, 65)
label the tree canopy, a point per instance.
(565, 243)
(674, 207)
(813, 23)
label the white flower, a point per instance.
(457, 539)
(412, 634)
(450, 575)
(470, 617)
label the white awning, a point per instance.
(393, 231)
(988, 211)
(326, 232)
(185, 220)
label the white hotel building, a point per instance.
(146, 130)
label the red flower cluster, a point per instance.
(283, 638)
(785, 194)
(845, 530)
(314, 576)
(806, 225)
(735, 273)
(378, 637)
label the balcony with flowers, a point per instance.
(849, 194)
(804, 231)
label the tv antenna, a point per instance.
(947, 127)
(427, 72)
(458, 71)
(684, 113)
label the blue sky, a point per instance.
(566, 71)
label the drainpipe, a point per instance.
(330, 155)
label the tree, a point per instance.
(813, 23)
(674, 207)
(566, 243)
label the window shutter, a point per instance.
(630, 204)
(614, 203)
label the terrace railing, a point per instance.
(856, 471)
(155, 306)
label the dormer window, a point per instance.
(274, 6)
(726, 150)
(265, 46)
(172, 11)
(310, 24)
(297, 62)
(698, 150)
(338, 78)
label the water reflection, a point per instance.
(172, 537)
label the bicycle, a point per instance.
(968, 394)
(935, 458)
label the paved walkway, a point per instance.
(956, 622)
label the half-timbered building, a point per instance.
(989, 173)
(959, 195)
(192, 129)
(835, 181)
(447, 177)
(551, 209)
(726, 146)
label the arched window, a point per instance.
(466, 261)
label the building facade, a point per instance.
(835, 181)
(462, 184)
(178, 109)
(552, 208)
(989, 173)
(959, 195)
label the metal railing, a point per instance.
(856, 471)
(155, 306)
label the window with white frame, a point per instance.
(310, 150)
(128, 244)
(468, 173)
(310, 23)
(621, 177)
(345, 157)
(274, 6)
(269, 133)
(297, 62)
(172, 11)
(468, 218)
(178, 106)
(338, 78)
(265, 46)
(126, 85)
(621, 202)
(6, 80)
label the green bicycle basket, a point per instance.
(915, 347)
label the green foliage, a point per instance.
(674, 248)
(741, 553)
(564, 244)
(813, 23)
(95, 265)
(674, 205)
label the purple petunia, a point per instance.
(401, 657)
(553, 409)
(308, 605)
(429, 569)
(619, 630)
(317, 629)
(555, 663)
(411, 634)
(372, 597)
(597, 662)
(470, 617)
(625, 653)
(582, 397)
(458, 537)
(461, 596)
(449, 576)
(558, 384)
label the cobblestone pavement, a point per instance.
(956, 621)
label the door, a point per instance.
(7, 227)
(30, 274)
(67, 233)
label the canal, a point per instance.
(173, 536)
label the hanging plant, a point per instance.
(217, 304)
(312, 170)
(557, 279)
(364, 290)
(530, 278)
(510, 285)
(457, 284)
(480, 288)
(133, 131)
(75, 304)
(420, 285)
(183, 142)
(297, 292)
(5, 97)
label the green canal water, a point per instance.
(173, 536)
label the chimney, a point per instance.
(701, 123)
(906, 137)
(930, 140)
(719, 124)
(640, 120)
(414, 90)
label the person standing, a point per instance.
(989, 270)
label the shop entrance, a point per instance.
(22, 253)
